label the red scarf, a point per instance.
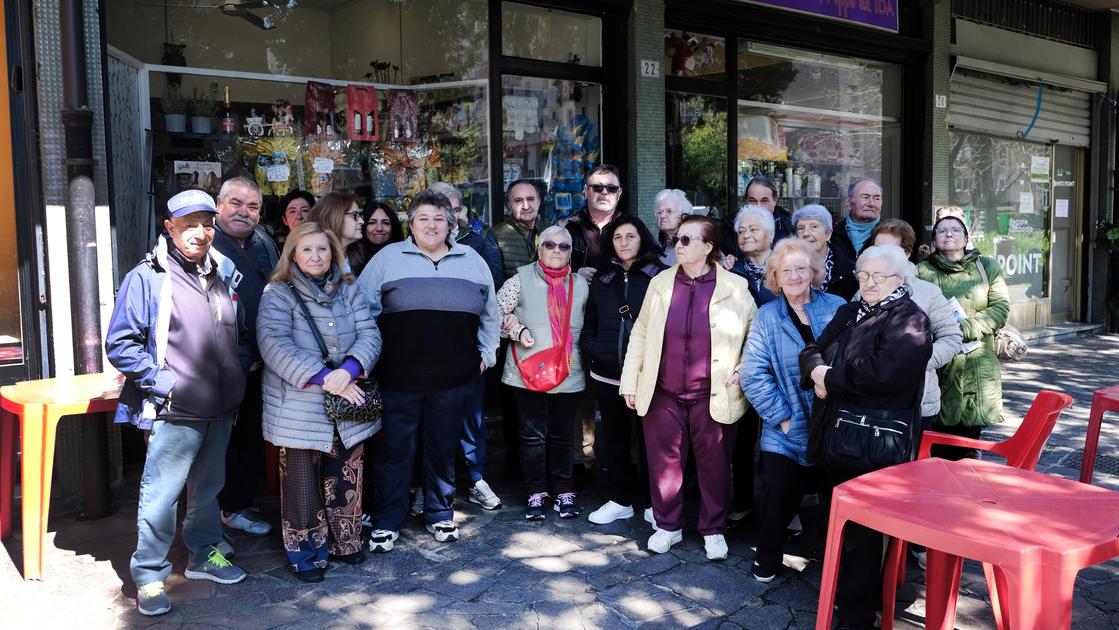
(557, 306)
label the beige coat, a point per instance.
(732, 311)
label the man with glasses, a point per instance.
(603, 190)
(864, 206)
(240, 238)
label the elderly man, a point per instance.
(602, 188)
(177, 336)
(864, 207)
(253, 253)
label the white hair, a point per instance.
(555, 229)
(891, 253)
(761, 213)
(447, 190)
(813, 212)
(676, 197)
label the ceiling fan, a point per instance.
(235, 8)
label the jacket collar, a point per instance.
(227, 271)
(607, 276)
(409, 246)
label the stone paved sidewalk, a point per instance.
(507, 572)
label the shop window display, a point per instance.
(688, 54)
(696, 148)
(550, 35)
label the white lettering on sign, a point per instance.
(1016, 264)
(650, 68)
(941, 101)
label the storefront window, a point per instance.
(551, 132)
(1004, 188)
(688, 54)
(549, 35)
(815, 123)
(11, 325)
(696, 146)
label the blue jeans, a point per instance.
(474, 433)
(180, 454)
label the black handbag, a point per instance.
(338, 409)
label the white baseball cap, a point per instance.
(190, 201)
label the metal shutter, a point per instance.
(1004, 107)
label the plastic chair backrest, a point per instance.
(1023, 449)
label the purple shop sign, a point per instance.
(881, 14)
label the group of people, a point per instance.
(689, 343)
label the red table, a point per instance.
(1038, 530)
(1106, 399)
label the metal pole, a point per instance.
(81, 233)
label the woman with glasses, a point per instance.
(971, 384)
(339, 213)
(771, 379)
(672, 206)
(813, 223)
(872, 356)
(542, 306)
(681, 374)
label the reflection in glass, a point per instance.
(696, 142)
(11, 327)
(550, 35)
(551, 132)
(815, 123)
(694, 55)
(1003, 187)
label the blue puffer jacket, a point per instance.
(770, 374)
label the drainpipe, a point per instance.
(81, 247)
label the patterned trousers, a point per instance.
(320, 503)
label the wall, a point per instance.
(646, 110)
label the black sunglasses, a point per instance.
(550, 245)
(610, 188)
(687, 240)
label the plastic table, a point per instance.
(1037, 530)
(1106, 399)
(37, 406)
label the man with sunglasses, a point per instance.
(603, 190)
(240, 238)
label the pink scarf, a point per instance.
(557, 306)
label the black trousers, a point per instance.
(859, 588)
(547, 426)
(510, 413)
(956, 453)
(244, 458)
(629, 482)
(742, 462)
(783, 485)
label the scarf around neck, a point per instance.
(558, 300)
(859, 232)
(866, 309)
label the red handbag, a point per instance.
(546, 369)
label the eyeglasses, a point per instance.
(879, 278)
(953, 231)
(609, 188)
(795, 272)
(551, 245)
(687, 240)
(355, 215)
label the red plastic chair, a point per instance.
(1022, 450)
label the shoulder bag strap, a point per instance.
(983, 272)
(311, 322)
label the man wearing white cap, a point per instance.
(178, 337)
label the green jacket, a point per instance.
(517, 243)
(971, 384)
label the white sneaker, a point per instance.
(716, 547)
(484, 496)
(648, 516)
(417, 507)
(246, 521)
(381, 541)
(661, 541)
(444, 531)
(610, 512)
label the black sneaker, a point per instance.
(535, 510)
(765, 577)
(565, 505)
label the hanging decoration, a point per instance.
(361, 113)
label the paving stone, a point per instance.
(1103, 595)
(638, 564)
(763, 617)
(639, 600)
(792, 592)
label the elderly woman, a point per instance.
(813, 223)
(971, 384)
(755, 227)
(872, 356)
(339, 213)
(382, 227)
(672, 206)
(680, 373)
(294, 208)
(320, 461)
(771, 378)
(543, 309)
(616, 294)
(434, 302)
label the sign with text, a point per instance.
(881, 14)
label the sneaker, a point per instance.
(443, 531)
(738, 515)
(535, 510)
(381, 540)
(484, 496)
(226, 547)
(367, 521)
(565, 505)
(662, 540)
(216, 569)
(648, 516)
(417, 502)
(246, 521)
(716, 547)
(610, 512)
(764, 577)
(151, 599)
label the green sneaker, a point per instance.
(216, 569)
(152, 600)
